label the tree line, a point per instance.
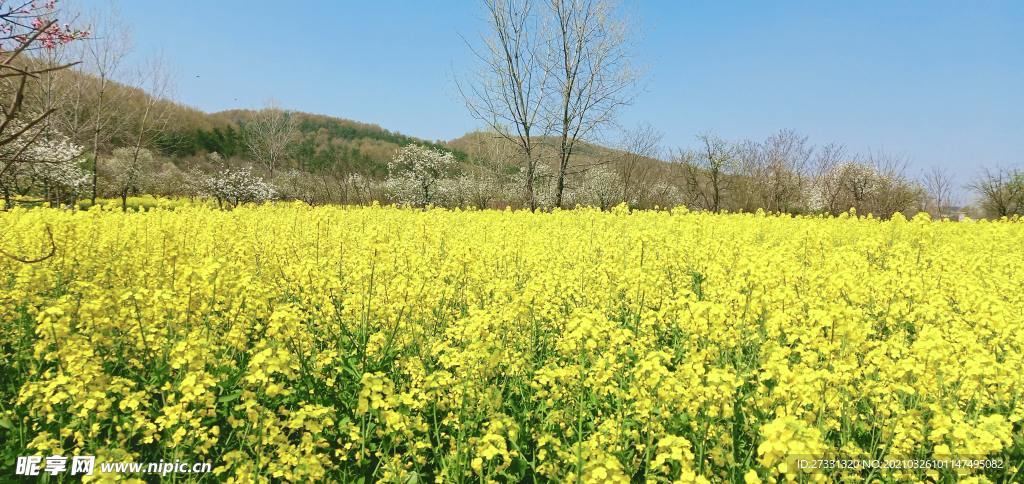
(550, 80)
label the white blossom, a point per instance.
(414, 174)
(196, 184)
(300, 185)
(130, 170)
(34, 146)
(239, 186)
(596, 187)
(68, 177)
(38, 162)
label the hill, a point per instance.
(324, 142)
(86, 104)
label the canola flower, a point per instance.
(293, 344)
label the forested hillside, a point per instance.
(323, 142)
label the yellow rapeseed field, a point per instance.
(361, 345)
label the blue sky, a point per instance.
(941, 82)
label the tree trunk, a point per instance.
(96, 139)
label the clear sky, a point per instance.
(939, 81)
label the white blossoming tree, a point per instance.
(301, 185)
(666, 195)
(600, 187)
(543, 184)
(238, 186)
(37, 161)
(130, 170)
(65, 182)
(478, 189)
(415, 172)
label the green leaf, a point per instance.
(350, 367)
(518, 467)
(228, 398)
(230, 382)
(7, 424)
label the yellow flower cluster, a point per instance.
(293, 344)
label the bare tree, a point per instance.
(555, 67)
(130, 168)
(744, 193)
(1000, 191)
(829, 194)
(874, 184)
(105, 54)
(708, 171)
(633, 166)
(507, 88)
(269, 133)
(940, 191)
(592, 72)
(781, 172)
(892, 191)
(155, 86)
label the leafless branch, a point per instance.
(53, 251)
